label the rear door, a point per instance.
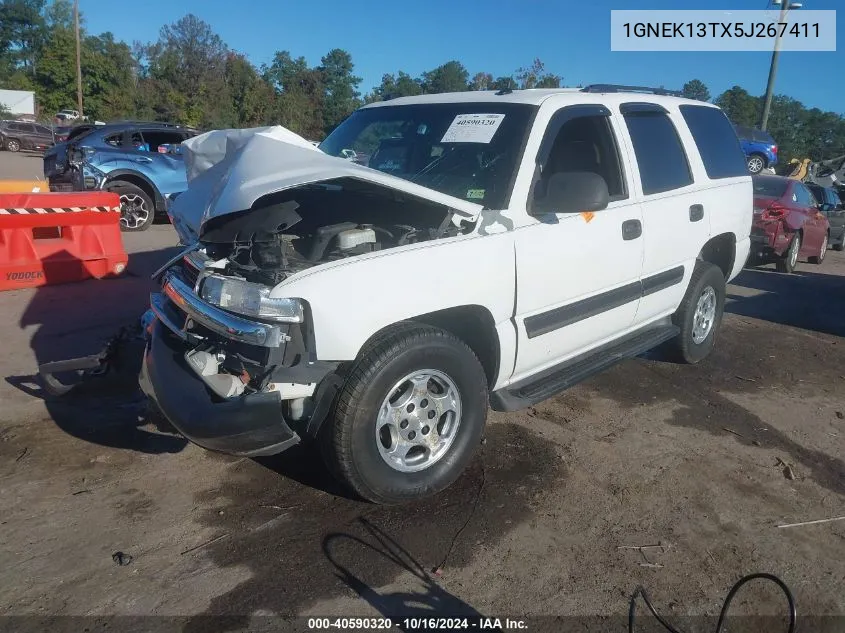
(836, 217)
(43, 136)
(166, 170)
(676, 215)
(815, 226)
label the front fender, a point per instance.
(351, 300)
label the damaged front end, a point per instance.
(227, 382)
(230, 358)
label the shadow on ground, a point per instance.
(302, 544)
(808, 300)
(78, 319)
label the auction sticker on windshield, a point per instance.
(473, 128)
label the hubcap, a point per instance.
(755, 164)
(793, 251)
(418, 420)
(133, 210)
(705, 315)
(824, 249)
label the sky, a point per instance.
(496, 36)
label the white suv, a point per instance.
(498, 248)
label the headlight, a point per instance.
(249, 299)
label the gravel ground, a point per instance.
(703, 461)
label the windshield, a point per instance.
(467, 150)
(771, 186)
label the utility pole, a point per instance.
(785, 6)
(78, 62)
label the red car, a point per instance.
(787, 225)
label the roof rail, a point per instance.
(620, 88)
(141, 122)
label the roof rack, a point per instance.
(140, 122)
(621, 88)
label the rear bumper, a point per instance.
(249, 425)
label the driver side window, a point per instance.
(584, 144)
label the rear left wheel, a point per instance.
(818, 259)
(756, 164)
(409, 417)
(136, 207)
(700, 314)
(789, 260)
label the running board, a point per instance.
(552, 381)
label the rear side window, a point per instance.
(763, 137)
(716, 141)
(803, 195)
(771, 186)
(660, 154)
(154, 138)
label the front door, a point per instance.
(578, 274)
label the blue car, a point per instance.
(761, 150)
(141, 162)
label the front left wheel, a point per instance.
(409, 416)
(13, 145)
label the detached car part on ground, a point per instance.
(788, 224)
(125, 158)
(491, 251)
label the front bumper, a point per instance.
(253, 423)
(249, 425)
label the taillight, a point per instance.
(774, 149)
(775, 211)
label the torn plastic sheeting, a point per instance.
(256, 163)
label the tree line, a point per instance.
(190, 76)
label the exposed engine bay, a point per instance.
(293, 230)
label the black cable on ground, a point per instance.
(641, 592)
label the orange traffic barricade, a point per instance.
(52, 238)
(24, 186)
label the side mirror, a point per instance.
(571, 192)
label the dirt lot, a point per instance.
(704, 460)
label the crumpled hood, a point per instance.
(228, 170)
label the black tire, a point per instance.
(13, 145)
(685, 347)
(818, 259)
(349, 438)
(755, 163)
(137, 210)
(788, 263)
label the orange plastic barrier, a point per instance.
(52, 238)
(24, 186)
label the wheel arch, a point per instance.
(473, 324)
(720, 250)
(762, 156)
(139, 180)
